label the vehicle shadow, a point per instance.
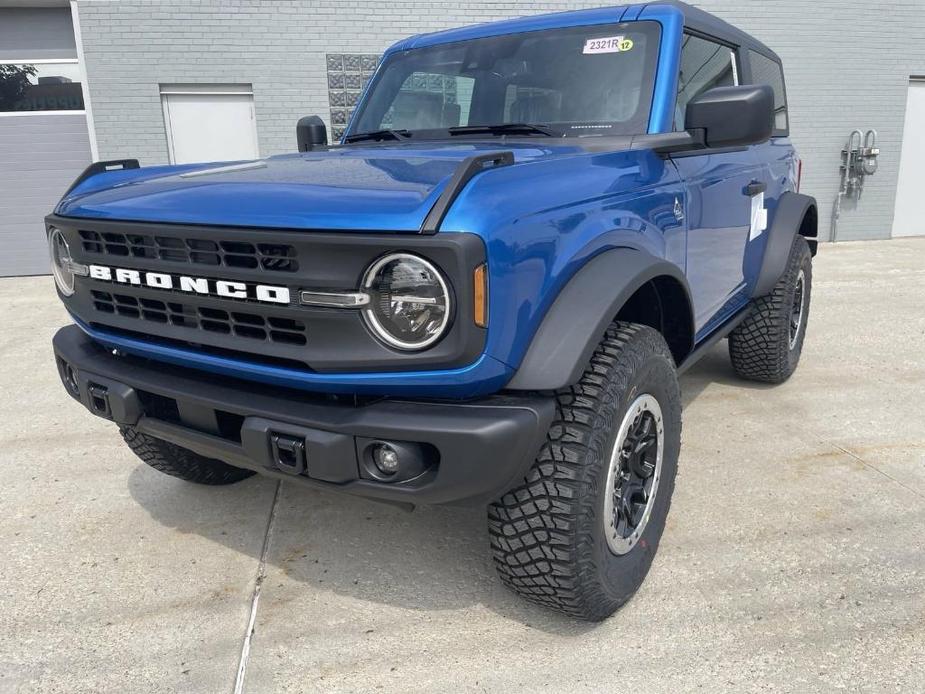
(432, 558)
(714, 368)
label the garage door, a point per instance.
(44, 140)
(41, 156)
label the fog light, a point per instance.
(386, 459)
(70, 379)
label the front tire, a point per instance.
(579, 533)
(179, 462)
(768, 344)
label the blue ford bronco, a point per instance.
(484, 293)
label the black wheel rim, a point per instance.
(797, 308)
(634, 473)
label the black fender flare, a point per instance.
(575, 323)
(792, 211)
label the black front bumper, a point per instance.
(451, 453)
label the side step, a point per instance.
(717, 335)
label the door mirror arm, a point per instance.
(666, 144)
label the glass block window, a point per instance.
(348, 74)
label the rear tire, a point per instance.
(767, 345)
(179, 462)
(574, 534)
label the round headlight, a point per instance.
(409, 302)
(61, 263)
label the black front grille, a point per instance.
(310, 339)
(247, 325)
(275, 257)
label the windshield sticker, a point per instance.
(608, 44)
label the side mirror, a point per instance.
(310, 132)
(732, 116)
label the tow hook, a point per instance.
(99, 400)
(288, 453)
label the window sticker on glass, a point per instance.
(608, 44)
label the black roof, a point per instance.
(695, 20)
(703, 22)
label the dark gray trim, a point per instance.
(792, 209)
(707, 343)
(468, 168)
(732, 116)
(575, 323)
(701, 22)
(337, 340)
(481, 447)
(99, 167)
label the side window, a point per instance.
(770, 72)
(704, 64)
(428, 100)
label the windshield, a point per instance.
(578, 81)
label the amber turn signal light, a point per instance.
(480, 295)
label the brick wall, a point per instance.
(847, 63)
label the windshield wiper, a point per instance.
(506, 129)
(378, 135)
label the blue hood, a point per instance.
(378, 188)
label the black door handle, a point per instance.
(755, 187)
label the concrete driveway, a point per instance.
(794, 558)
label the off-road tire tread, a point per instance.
(540, 530)
(760, 346)
(180, 462)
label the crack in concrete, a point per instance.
(875, 469)
(255, 598)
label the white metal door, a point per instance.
(215, 125)
(909, 219)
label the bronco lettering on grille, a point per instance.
(228, 289)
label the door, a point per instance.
(209, 124)
(720, 187)
(720, 192)
(907, 219)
